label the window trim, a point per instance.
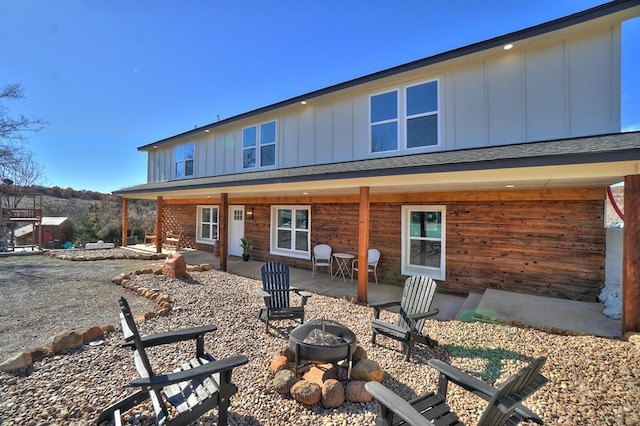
(406, 117)
(273, 237)
(377, 123)
(257, 147)
(184, 160)
(406, 268)
(199, 238)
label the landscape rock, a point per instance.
(332, 394)
(40, 353)
(283, 381)
(174, 266)
(279, 362)
(65, 341)
(306, 392)
(356, 392)
(16, 361)
(92, 334)
(358, 354)
(367, 370)
(319, 373)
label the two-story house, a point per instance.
(483, 167)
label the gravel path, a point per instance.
(592, 381)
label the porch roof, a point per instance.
(583, 161)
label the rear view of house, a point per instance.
(482, 167)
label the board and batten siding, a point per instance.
(567, 88)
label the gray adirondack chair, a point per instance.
(504, 402)
(276, 292)
(415, 308)
(195, 387)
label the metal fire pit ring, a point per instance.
(322, 340)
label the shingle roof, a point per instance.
(582, 150)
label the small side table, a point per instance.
(343, 259)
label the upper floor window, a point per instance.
(185, 155)
(290, 231)
(384, 122)
(424, 240)
(259, 145)
(418, 107)
(207, 225)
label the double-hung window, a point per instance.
(185, 155)
(412, 113)
(207, 226)
(424, 240)
(290, 231)
(259, 145)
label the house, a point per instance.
(54, 231)
(482, 167)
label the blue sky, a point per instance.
(110, 76)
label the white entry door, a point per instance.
(236, 230)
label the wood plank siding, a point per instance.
(545, 242)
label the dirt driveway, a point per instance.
(41, 296)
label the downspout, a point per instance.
(613, 203)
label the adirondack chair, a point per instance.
(276, 293)
(504, 402)
(194, 388)
(415, 305)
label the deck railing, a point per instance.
(18, 215)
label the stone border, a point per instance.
(68, 340)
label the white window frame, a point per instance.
(184, 160)
(402, 118)
(406, 267)
(388, 121)
(199, 223)
(407, 117)
(257, 148)
(274, 249)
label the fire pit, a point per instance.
(322, 340)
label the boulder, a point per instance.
(92, 334)
(367, 370)
(356, 392)
(283, 381)
(279, 362)
(65, 341)
(332, 394)
(319, 373)
(306, 392)
(40, 353)
(174, 266)
(16, 361)
(358, 354)
(286, 351)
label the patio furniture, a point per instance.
(322, 258)
(150, 238)
(172, 240)
(196, 387)
(342, 261)
(373, 256)
(415, 305)
(504, 402)
(276, 293)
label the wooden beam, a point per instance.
(125, 218)
(631, 255)
(223, 230)
(159, 230)
(363, 244)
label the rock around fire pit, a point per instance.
(314, 367)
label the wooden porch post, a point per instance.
(125, 218)
(159, 230)
(363, 244)
(631, 255)
(223, 230)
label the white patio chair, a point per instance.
(322, 258)
(372, 263)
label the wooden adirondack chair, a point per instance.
(276, 293)
(504, 402)
(415, 305)
(194, 388)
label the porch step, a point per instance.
(467, 310)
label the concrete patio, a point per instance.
(492, 306)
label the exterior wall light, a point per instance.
(249, 213)
(508, 46)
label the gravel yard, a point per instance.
(592, 380)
